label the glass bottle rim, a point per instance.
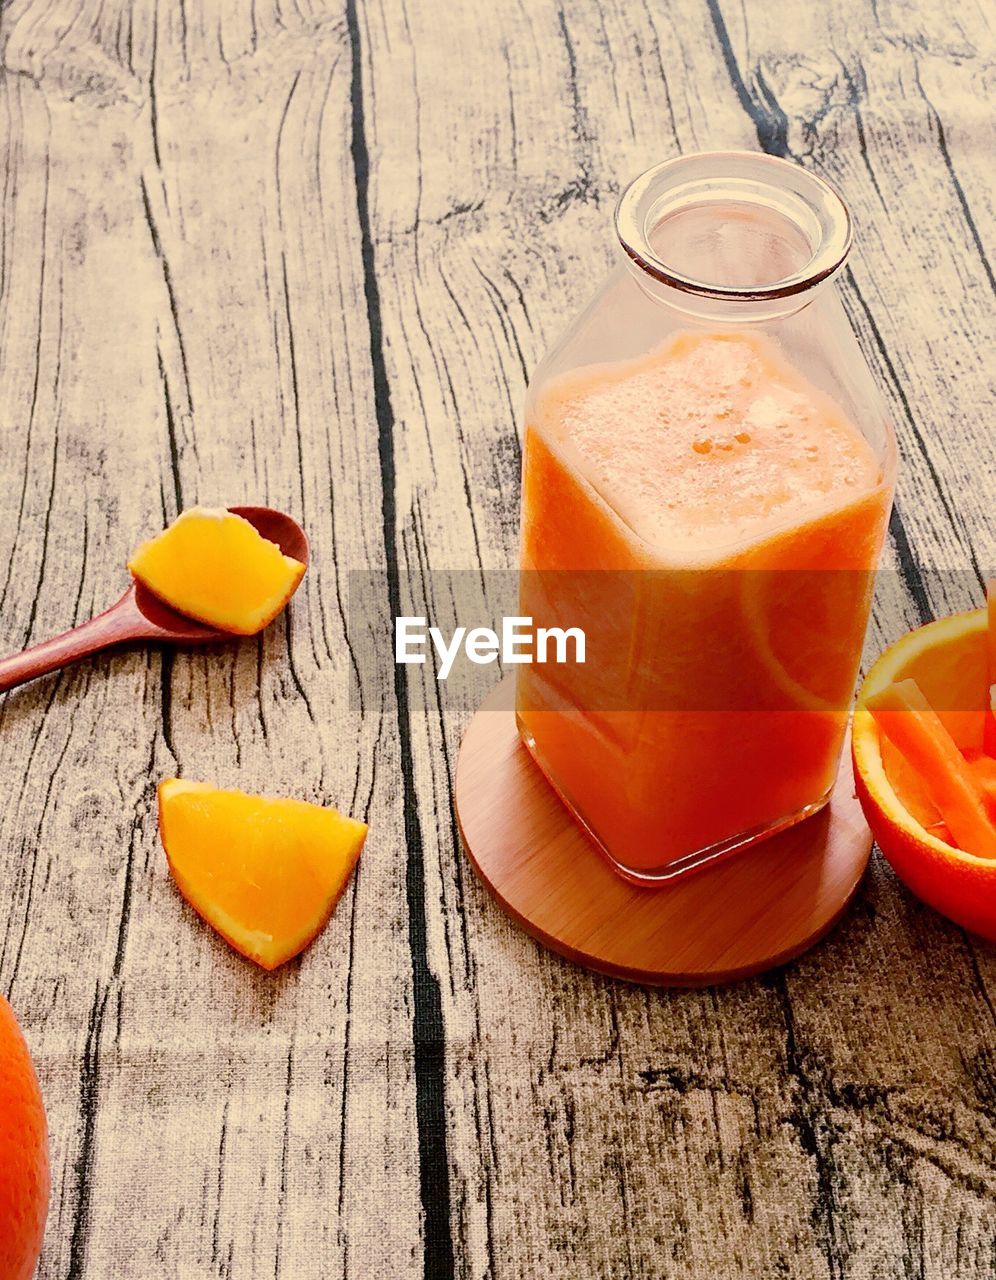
(806, 200)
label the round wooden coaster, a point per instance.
(748, 913)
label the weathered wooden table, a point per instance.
(305, 253)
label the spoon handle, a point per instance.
(109, 628)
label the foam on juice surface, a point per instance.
(710, 441)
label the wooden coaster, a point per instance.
(755, 910)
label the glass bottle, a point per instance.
(708, 474)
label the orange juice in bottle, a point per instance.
(706, 487)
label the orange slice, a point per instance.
(265, 872)
(948, 660)
(807, 627)
(212, 565)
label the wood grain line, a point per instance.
(428, 1029)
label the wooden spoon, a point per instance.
(139, 615)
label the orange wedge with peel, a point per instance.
(949, 661)
(265, 872)
(213, 565)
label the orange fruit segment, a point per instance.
(265, 872)
(907, 719)
(948, 661)
(910, 787)
(982, 768)
(24, 1173)
(212, 565)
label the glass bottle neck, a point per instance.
(733, 236)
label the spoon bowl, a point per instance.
(141, 615)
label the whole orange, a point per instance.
(24, 1179)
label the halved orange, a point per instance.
(948, 660)
(265, 872)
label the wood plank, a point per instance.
(591, 88)
(202, 338)
(557, 1159)
(73, 838)
(851, 107)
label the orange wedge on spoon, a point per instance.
(213, 565)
